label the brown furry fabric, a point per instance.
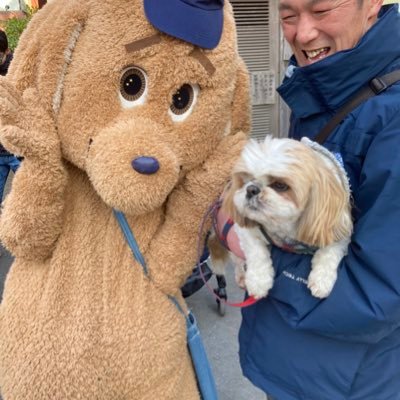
(79, 320)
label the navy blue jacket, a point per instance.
(347, 346)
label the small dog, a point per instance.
(292, 194)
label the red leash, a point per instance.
(211, 211)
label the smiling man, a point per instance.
(345, 347)
(316, 29)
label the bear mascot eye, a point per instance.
(183, 101)
(133, 87)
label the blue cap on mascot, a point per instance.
(198, 22)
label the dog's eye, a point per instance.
(133, 87)
(183, 102)
(279, 186)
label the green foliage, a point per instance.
(15, 26)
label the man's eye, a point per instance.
(279, 186)
(321, 12)
(288, 17)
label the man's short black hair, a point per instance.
(3, 42)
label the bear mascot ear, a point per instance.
(241, 105)
(31, 219)
(40, 62)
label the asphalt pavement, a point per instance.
(220, 336)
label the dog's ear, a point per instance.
(327, 216)
(45, 49)
(241, 104)
(228, 204)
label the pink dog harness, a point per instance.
(223, 224)
(228, 237)
(221, 221)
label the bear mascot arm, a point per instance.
(31, 219)
(187, 203)
(32, 214)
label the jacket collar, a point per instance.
(313, 89)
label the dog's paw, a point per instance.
(240, 275)
(258, 285)
(321, 282)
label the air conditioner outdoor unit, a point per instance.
(261, 47)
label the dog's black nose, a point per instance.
(146, 165)
(252, 190)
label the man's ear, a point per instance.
(374, 7)
(241, 107)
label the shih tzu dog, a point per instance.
(294, 195)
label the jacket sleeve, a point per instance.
(364, 305)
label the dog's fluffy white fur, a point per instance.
(297, 195)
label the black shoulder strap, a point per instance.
(375, 86)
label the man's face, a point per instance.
(316, 29)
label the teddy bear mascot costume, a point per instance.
(112, 115)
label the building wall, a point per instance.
(11, 5)
(19, 5)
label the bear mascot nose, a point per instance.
(146, 165)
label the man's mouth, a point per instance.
(317, 54)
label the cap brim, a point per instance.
(200, 27)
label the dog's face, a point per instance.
(288, 188)
(135, 109)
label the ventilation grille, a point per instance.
(252, 24)
(262, 121)
(254, 40)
